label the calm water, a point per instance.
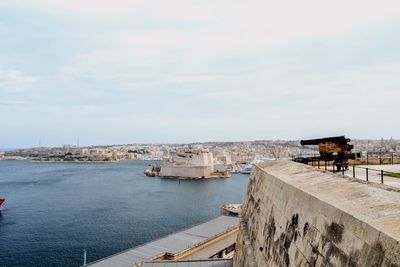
(53, 211)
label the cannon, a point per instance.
(336, 149)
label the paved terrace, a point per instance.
(374, 174)
(181, 242)
(373, 203)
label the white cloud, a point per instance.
(233, 23)
(268, 64)
(192, 35)
(11, 103)
(14, 81)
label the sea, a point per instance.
(55, 211)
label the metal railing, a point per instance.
(381, 156)
(367, 170)
(365, 174)
(371, 158)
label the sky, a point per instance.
(115, 72)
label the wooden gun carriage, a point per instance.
(336, 149)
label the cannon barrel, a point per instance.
(341, 140)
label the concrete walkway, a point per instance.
(175, 243)
(210, 250)
(374, 173)
(201, 263)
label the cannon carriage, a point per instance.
(336, 149)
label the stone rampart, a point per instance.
(295, 215)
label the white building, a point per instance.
(189, 163)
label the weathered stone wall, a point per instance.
(295, 215)
(190, 172)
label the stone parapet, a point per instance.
(295, 215)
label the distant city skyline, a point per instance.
(118, 72)
(353, 140)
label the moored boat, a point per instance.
(246, 169)
(1, 201)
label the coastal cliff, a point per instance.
(294, 215)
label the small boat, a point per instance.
(1, 201)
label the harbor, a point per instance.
(101, 208)
(199, 133)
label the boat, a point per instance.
(246, 169)
(2, 201)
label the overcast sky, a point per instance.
(118, 71)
